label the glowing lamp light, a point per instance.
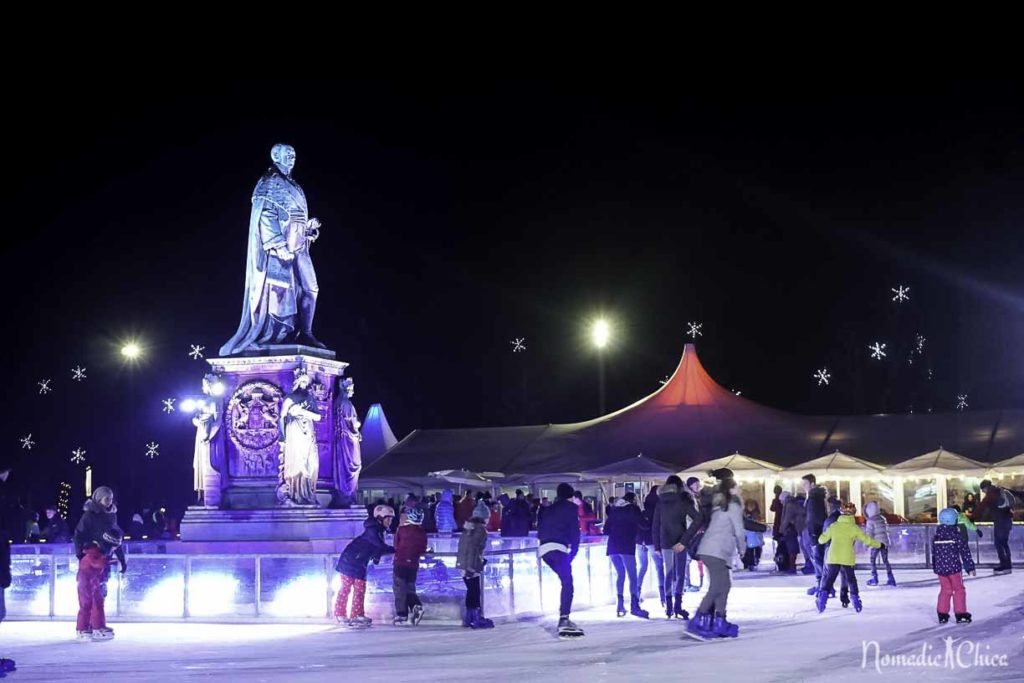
(188, 405)
(217, 388)
(131, 350)
(601, 333)
(300, 597)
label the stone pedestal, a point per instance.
(280, 524)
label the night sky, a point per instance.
(457, 217)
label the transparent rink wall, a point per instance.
(177, 586)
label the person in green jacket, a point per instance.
(841, 537)
(965, 524)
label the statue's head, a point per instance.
(302, 379)
(348, 386)
(283, 156)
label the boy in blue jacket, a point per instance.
(558, 534)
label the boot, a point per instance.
(669, 609)
(722, 628)
(943, 618)
(891, 581)
(821, 601)
(470, 617)
(679, 611)
(963, 617)
(700, 625)
(813, 590)
(873, 581)
(635, 610)
(620, 609)
(307, 308)
(480, 621)
(855, 599)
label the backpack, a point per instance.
(1008, 501)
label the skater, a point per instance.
(6, 665)
(877, 527)
(464, 509)
(621, 528)
(97, 533)
(999, 504)
(558, 537)
(675, 506)
(723, 538)
(702, 501)
(647, 545)
(410, 543)
(366, 548)
(950, 557)
(840, 559)
(816, 514)
(471, 562)
(835, 509)
(794, 519)
(445, 514)
(755, 539)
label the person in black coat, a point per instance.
(998, 504)
(515, 514)
(99, 517)
(621, 528)
(648, 545)
(5, 580)
(676, 512)
(817, 512)
(56, 529)
(368, 547)
(558, 535)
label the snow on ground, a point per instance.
(782, 638)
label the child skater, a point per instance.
(951, 556)
(840, 558)
(755, 539)
(471, 561)
(97, 540)
(877, 527)
(410, 544)
(369, 547)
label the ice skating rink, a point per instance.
(782, 638)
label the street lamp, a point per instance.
(600, 333)
(131, 350)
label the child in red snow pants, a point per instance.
(90, 591)
(952, 586)
(358, 589)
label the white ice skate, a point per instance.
(360, 622)
(567, 629)
(103, 634)
(416, 615)
(84, 636)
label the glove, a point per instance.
(979, 533)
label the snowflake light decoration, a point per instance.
(877, 351)
(919, 343)
(664, 380)
(961, 402)
(694, 330)
(518, 344)
(78, 455)
(197, 351)
(152, 449)
(27, 442)
(78, 373)
(900, 293)
(169, 405)
(822, 376)
(737, 392)
(44, 386)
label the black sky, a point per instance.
(457, 217)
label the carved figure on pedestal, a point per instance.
(348, 461)
(207, 423)
(297, 437)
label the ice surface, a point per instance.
(782, 638)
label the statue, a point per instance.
(207, 423)
(280, 283)
(297, 437)
(348, 461)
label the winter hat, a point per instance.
(101, 493)
(848, 509)
(382, 511)
(948, 517)
(414, 515)
(871, 509)
(621, 503)
(691, 481)
(565, 491)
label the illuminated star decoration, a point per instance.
(518, 344)
(961, 402)
(877, 351)
(663, 380)
(44, 386)
(196, 352)
(822, 376)
(27, 442)
(920, 343)
(901, 293)
(78, 373)
(78, 456)
(169, 405)
(152, 449)
(737, 392)
(694, 330)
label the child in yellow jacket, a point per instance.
(843, 534)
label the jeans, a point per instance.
(404, 584)
(472, 591)
(952, 587)
(675, 567)
(645, 551)
(561, 564)
(625, 566)
(884, 552)
(814, 552)
(721, 583)
(1001, 539)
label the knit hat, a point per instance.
(101, 493)
(948, 517)
(481, 510)
(414, 515)
(871, 509)
(691, 481)
(848, 509)
(620, 503)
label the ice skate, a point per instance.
(361, 621)
(635, 609)
(857, 605)
(84, 636)
(1002, 572)
(722, 628)
(620, 609)
(943, 618)
(699, 627)
(416, 615)
(963, 618)
(821, 601)
(7, 666)
(891, 581)
(400, 621)
(567, 629)
(873, 581)
(103, 634)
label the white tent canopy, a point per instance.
(1013, 465)
(835, 466)
(742, 466)
(937, 463)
